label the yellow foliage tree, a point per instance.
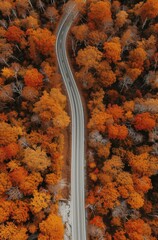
(41, 200)
(143, 164)
(10, 231)
(7, 72)
(36, 160)
(50, 108)
(52, 228)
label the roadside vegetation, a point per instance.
(33, 121)
(114, 46)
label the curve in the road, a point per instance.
(77, 118)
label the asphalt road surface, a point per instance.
(77, 118)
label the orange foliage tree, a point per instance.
(104, 150)
(30, 22)
(52, 179)
(116, 112)
(113, 50)
(137, 229)
(117, 132)
(7, 72)
(135, 200)
(96, 37)
(12, 150)
(20, 211)
(52, 228)
(86, 78)
(6, 7)
(18, 174)
(142, 184)
(80, 32)
(5, 183)
(30, 183)
(9, 134)
(97, 13)
(107, 196)
(98, 120)
(3, 155)
(97, 221)
(31, 93)
(144, 121)
(106, 76)
(89, 57)
(22, 7)
(113, 167)
(14, 34)
(125, 184)
(5, 210)
(6, 52)
(40, 40)
(137, 58)
(11, 231)
(121, 18)
(148, 10)
(143, 164)
(33, 78)
(49, 70)
(52, 14)
(119, 235)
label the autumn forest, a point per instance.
(113, 50)
(33, 122)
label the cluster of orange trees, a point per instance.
(115, 49)
(33, 121)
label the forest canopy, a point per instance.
(33, 121)
(115, 56)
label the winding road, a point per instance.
(77, 118)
